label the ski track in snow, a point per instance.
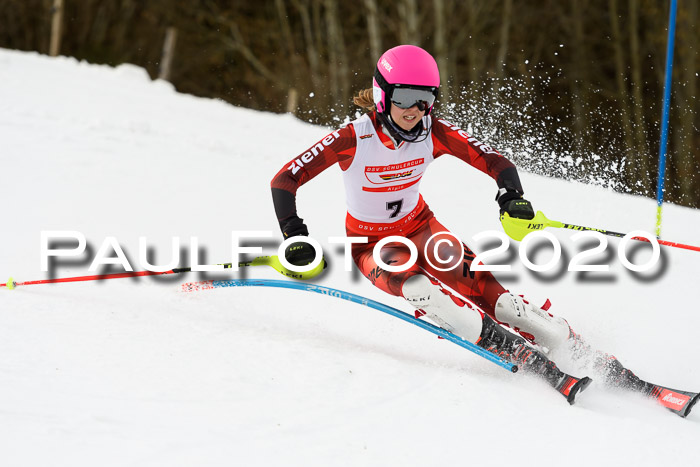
(134, 372)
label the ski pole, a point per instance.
(272, 261)
(351, 297)
(518, 228)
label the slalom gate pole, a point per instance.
(641, 239)
(214, 284)
(518, 228)
(272, 261)
(665, 114)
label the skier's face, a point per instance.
(406, 118)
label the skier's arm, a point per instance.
(338, 146)
(449, 139)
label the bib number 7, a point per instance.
(395, 207)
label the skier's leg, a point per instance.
(425, 294)
(448, 311)
(460, 318)
(392, 254)
(546, 329)
(482, 288)
(555, 334)
(454, 314)
(440, 249)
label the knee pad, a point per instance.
(448, 312)
(548, 330)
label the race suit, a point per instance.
(382, 195)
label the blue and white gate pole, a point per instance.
(351, 297)
(665, 115)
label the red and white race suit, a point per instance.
(382, 193)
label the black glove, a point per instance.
(513, 203)
(293, 227)
(300, 253)
(519, 209)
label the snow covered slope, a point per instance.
(133, 372)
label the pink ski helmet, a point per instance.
(405, 76)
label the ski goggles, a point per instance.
(405, 98)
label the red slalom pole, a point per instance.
(99, 277)
(11, 284)
(667, 243)
(271, 261)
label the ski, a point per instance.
(619, 377)
(570, 386)
(677, 401)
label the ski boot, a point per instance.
(534, 323)
(496, 339)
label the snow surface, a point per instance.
(134, 372)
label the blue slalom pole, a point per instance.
(665, 115)
(191, 286)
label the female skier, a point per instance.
(383, 156)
